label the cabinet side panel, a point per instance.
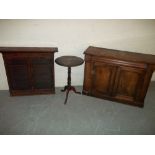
(87, 78)
(7, 72)
(147, 79)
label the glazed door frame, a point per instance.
(17, 71)
(42, 72)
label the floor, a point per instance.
(46, 114)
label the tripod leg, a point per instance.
(74, 90)
(67, 92)
(65, 88)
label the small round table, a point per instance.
(69, 61)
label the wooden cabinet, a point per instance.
(117, 75)
(30, 70)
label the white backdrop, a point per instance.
(72, 37)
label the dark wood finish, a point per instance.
(117, 75)
(69, 61)
(28, 49)
(29, 70)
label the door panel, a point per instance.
(42, 74)
(128, 83)
(103, 78)
(19, 77)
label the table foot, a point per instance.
(65, 88)
(68, 89)
(67, 92)
(74, 90)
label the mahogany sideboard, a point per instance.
(29, 70)
(117, 75)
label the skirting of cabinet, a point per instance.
(113, 99)
(29, 92)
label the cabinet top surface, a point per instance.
(120, 55)
(28, 49)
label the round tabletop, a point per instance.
(69, 61)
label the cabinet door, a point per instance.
(42, 73)
(18, 74)
(128, 83)
(103, 79)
